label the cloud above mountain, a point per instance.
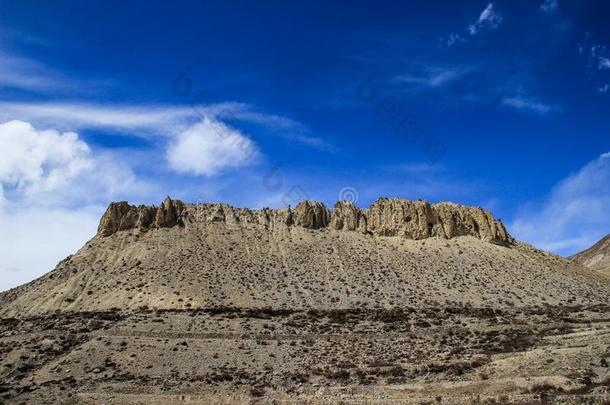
(209, 147)
(574, 215)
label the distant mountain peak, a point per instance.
(597, 257)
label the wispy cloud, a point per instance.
(417, 168)
(603, 63)
(432, 77)
(284, 126)
(454, 39)
(575, 214)
(152, 120)
(140, 120)
(527, 104)
(23, 73)
(32, 76)
(549, 6)
(597, 62)
(144, 121)
(489, 20)
(599, 57)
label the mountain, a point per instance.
(396, 252)
(597, 257)
(403, 300)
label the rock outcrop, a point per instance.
(121, 216)
(386, 217)
(420, 220)
(347, 217)
(311, 214)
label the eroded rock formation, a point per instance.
(121, 216)
(420, 220)
(386, 217)
(311, 214)
(347, 217)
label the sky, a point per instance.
(501, 104)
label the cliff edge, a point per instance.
(386, 217)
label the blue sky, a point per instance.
(500, 104)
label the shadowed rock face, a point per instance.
(386, 217)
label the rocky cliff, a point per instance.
(386, 217)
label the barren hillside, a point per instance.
(597, 257)
(403, 301)
(396, 253)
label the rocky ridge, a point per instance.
(386, 217)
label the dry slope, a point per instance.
(597, 257)
(395, 253)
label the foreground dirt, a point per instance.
(452, 355)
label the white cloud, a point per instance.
(54, 168)
(599, 57)
(527, 104)
(208, 148)
(145, 121)
(453, 39)
(53, 189)
(598, 61)
(574, 216)
(489, 20)
(433, 77)
(550, 6)
(45, 160)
